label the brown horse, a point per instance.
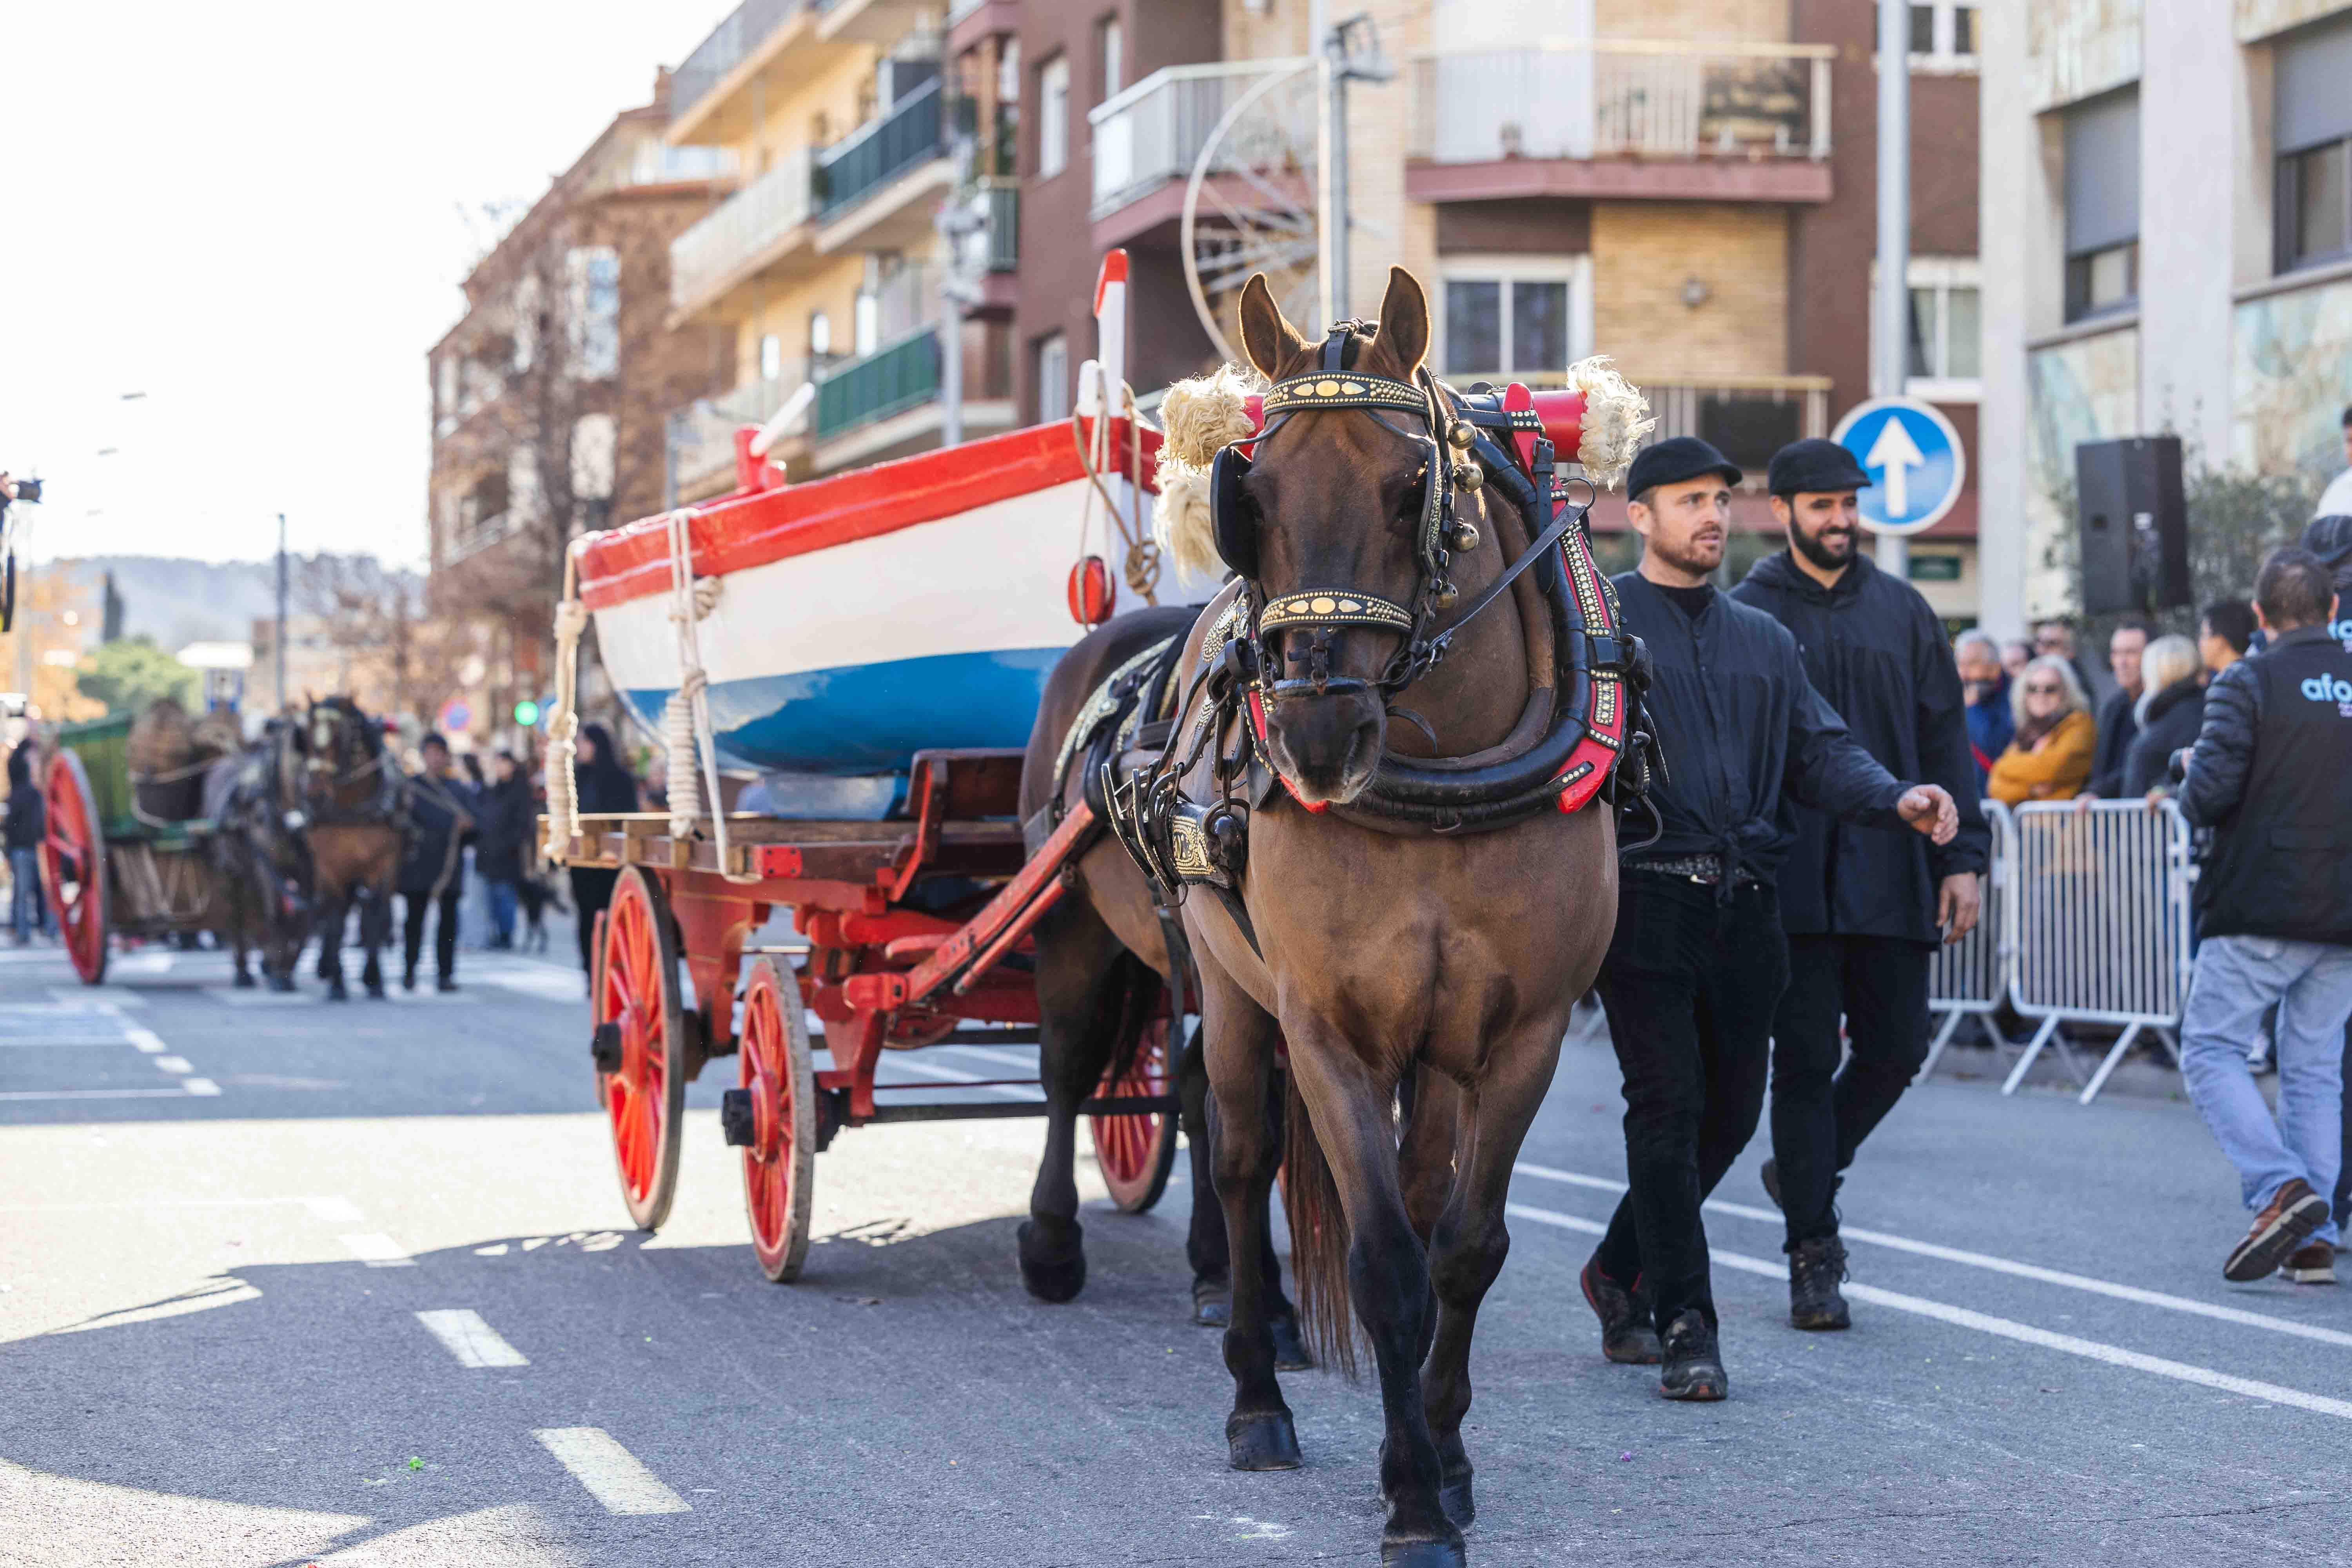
(350, 793)
(1393, 964)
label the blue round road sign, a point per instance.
(1914, 460)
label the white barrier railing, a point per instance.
(2088, 923)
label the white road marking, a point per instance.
(464, 1334)
(95, 996)
(115, 1040)
(949, 1075)
(611, 1473)
(180, 1064)
(174, 1093)
(199, 1086)
(145, 1040)
(2004, 1328)
(377, 1249)
(2085, 1282)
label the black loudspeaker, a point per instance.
(2133, 524)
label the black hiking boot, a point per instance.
(1626, 1336)
(1816, 1269)
(1693, 1363)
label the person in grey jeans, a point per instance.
(2272, 775)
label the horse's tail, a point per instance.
(1318, 1239)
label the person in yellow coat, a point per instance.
(2050, 756)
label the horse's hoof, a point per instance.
(1052, 1274)
(335, 992)
(1267, 1442)
(281, 983)
(1289, 1346)
(1424, 1555)
(375, 991)
(244, 982)
(1453, 1497)
(1212, 1304)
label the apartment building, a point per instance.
(827, 264)
(551, 394)
(2171, 185)
(1688, 187)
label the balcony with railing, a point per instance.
(752, 29)
(870, 186)
(1624, 119)
(757, 229)
(891, 380)
(1746, 418)
(470, 539)
(702, 434)
(1147, 138)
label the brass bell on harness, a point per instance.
(1464, 536)
(1469, 476)
(1445, 593)
(1460, 433)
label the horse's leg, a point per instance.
(1425, 1159)
(1240, 1039)
(1204, 1241)
(235, 896)
(375, 929)
(335, 909)
(1083, 978)
(1352, 1116)
(1468, 1241)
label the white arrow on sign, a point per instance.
(1896, 454)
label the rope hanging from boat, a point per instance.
(1140, 564)
(563, 719)
(686, 720)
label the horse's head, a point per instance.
(1332, 506)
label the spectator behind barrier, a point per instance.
(2171, 710)
(2225, 630)
(2015, 655)
(2119, 715)
(2330, 538)
(2050, 756)
(1985, 684)
(2057, 637)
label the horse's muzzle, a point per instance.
(1329, 744)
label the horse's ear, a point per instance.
(1270, 342)
(1404, 321)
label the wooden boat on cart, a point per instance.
(879, 639)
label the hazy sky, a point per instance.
(258, 213)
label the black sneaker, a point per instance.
(1816, 1269)
(1693, 1363)
(1626, 1336)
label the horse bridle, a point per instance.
(1324, 611)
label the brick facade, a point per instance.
(1644, 253)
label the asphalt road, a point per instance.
(282, 1282)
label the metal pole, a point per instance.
(281, 612)
(951, 376)
(1330, 195)
(1893, 300)
(1335, 75)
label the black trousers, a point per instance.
(445, 931)
(591, 895)
(2344, 1174)
(1821, 1112)
(1689, 985)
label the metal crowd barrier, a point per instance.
(2088, 922)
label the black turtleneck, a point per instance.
(1691, 602)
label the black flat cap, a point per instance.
(1675, 459)
(1816, 465)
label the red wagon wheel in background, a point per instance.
(639, 1044)
(1136, 1152)
(773, 1118)
(73, 865)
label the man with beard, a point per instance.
(1698, 961)
(1862, 905)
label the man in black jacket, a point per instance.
(2329, 537)
(2119, 714)
(2272, 776)
(433, 872)
(1863, 906)
(1698, 960)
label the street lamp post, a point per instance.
(1894, 294)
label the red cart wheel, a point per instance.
(73, 865)
(1136, 1152)
(780, 1161)
(640, 1044)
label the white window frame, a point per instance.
(1576, 271)
(1943, 60)
(771, 355)
(1110, 41)
(1053, 386)
(594, 314)
(1942, 274)
(1053, 117)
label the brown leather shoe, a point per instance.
(2311, 1265)
(2293, 1211)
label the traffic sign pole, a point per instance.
(1894, 303)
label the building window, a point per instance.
(1944, 36)
(772, 356)
(2313, 133)
(1052, 379)
(593, 279)
(1515, 317)
(1944, 346)
(1111, 39)
(2102, 195)
(1053, 116)
(820, 336)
